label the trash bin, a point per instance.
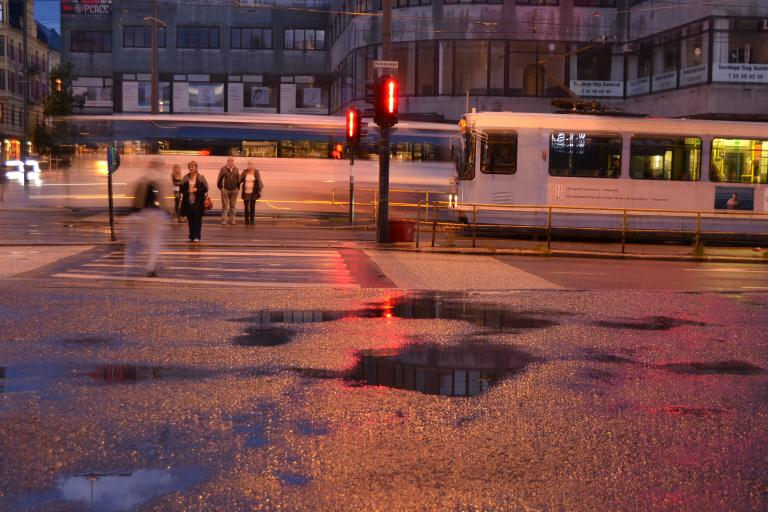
(400, 230)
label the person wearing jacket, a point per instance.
(194, 189)
(250, 181)
(176, 179)
(229, 184)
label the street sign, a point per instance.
(113, 158)
(385, 64)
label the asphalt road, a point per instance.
(317, 376)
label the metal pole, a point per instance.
(155, 93)
(351, 184)
(386, 28)
(698, 229)
(549, 229)
(474, 227)
(25, 86)
(418, 224)
(111, 207)
(382, 236)
(624, 233)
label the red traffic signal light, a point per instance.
(353, 125)
(386, 100)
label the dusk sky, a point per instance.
(47, 13)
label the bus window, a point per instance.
(499, 154)
(739, 161)
(665, 158)
(465, 158)
(584, 155)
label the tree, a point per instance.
(62, 101)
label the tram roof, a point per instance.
(483, 121)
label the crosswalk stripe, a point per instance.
(304, 254)
(250, 284)
(212, 269)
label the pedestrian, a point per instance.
(252, 187)
(733, 203)
(194, 190)
(176, 179)
(229, 184)
(146, 228)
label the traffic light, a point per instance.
(353, 125)
(386, 101)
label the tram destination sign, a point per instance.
(86, 7)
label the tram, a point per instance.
(590, 169)
(302, 158)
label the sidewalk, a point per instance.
(66, 227)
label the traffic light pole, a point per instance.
(382, 236)
(351, 184)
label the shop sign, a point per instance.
(693, 75)
(665, 81)
(86, 7)
(639, 86)
(741, 73)
(604, 88)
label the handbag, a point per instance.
(207, 203)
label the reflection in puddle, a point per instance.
(465, 370)
(125, 491)
(433, 307)
(653, 323)
(294, 317)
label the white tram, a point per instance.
(611, 164)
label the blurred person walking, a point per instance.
(194, 189)
(177, 178)
(146, 228)
(229, 184)
(3, 183)
(252, 186)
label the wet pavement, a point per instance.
(138, 397)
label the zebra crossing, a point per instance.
(248, 267)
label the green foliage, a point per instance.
(62, 101)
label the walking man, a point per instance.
(229, 184)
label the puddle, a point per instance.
(434, 307)
(294, 317)
(265, 336)
(688, 410)
(115, 491)
(464, 370)
(604, 357)
(293, 478)
(651, 323)
(86, 340)
(131, 373)
(714, 367)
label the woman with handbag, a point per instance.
(250, 181)
(194, 200)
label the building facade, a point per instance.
(43, 54)
(314, 56)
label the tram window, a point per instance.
(465, 159)
(665, 158)
(739, 161)
(584, 155)
(499, 154)
(304, 149)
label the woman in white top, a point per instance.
(251, 185)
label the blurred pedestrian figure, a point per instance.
(733, 203)
(252, 187)
(194, 189)
(176, 179)
(146, 228)
(229, 184)
(3, 183)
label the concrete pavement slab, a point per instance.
(420, 271)
(16, 260)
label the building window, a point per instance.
(584, 155)
(90, 41)
(415, 3)
(537, 2)
(426, 84)
(206, 95)
(304, 39)
(667, 158)
(2, 46)
(2, 13)
(2, 80)
(164, 95)
(594, 64)
(251, 38)
(594, 3)
(140, 36)
(471, 57)
(197, 37)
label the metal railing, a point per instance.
(543, 216)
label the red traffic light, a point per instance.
(353, 124)
(387, 91)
